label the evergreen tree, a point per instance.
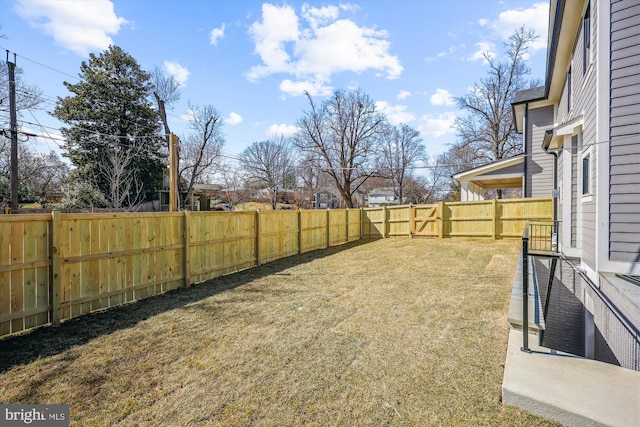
(109, 116)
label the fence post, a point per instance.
(328, 228)
(441, 220)
(56, 280)
(347, 225)
(412, 220)
(186, 253)
(257, 227)
(494, 221)
(385, 232)
(299, 231)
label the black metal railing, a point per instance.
(543, 237)
(540, 238)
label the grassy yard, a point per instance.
(391, 332)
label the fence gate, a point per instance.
(425, 221)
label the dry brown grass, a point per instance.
(391, 332)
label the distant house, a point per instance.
(581, 140)
(204, 195)
(326, 200)
(379, 197)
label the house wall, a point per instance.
(539, 164)
(624, 180)
(580, 102)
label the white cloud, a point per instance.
(437, 125)
(279, 25)
(298, 88)
(281, 130)
(482, 22)
(81, 27)
(396, 114)
(403, 94)
(233, 119)
(216, 34)
(535, 17)
(318, 16)
(317, 45)
(442, 97)
(178, 72)
(483, 48)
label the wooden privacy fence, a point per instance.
(496, 219)
(58, 266)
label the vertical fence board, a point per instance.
(17, 276)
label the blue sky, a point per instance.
(252, 60)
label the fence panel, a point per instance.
(110, 259)
(313, 229)
(220, 243)
(374, 223)
(337, 227)
(514, 213)
(24, 272)
(399, 220)
(278, 235)
(354, 218)
(469, 219)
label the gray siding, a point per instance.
(585, 101)
(539, 164)
(624, 154)
(574, 191)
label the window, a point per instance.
(586, 184)
(586, 35)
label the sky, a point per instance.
(253, 60)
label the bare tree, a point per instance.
(202, 147)
(401, 148)
(232, 178)
(125, 190)
(488, 127)
(166, 92)
(341, 137)
(269, 164)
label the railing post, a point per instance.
(525, 292)
(56, 280)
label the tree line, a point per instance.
(116, 138)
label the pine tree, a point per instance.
(109, 117)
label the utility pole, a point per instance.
(173, 172)
(14, 134)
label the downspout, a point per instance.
(524, 142)
(556, 192)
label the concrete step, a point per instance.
(569, 389)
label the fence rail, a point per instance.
(57, 266)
